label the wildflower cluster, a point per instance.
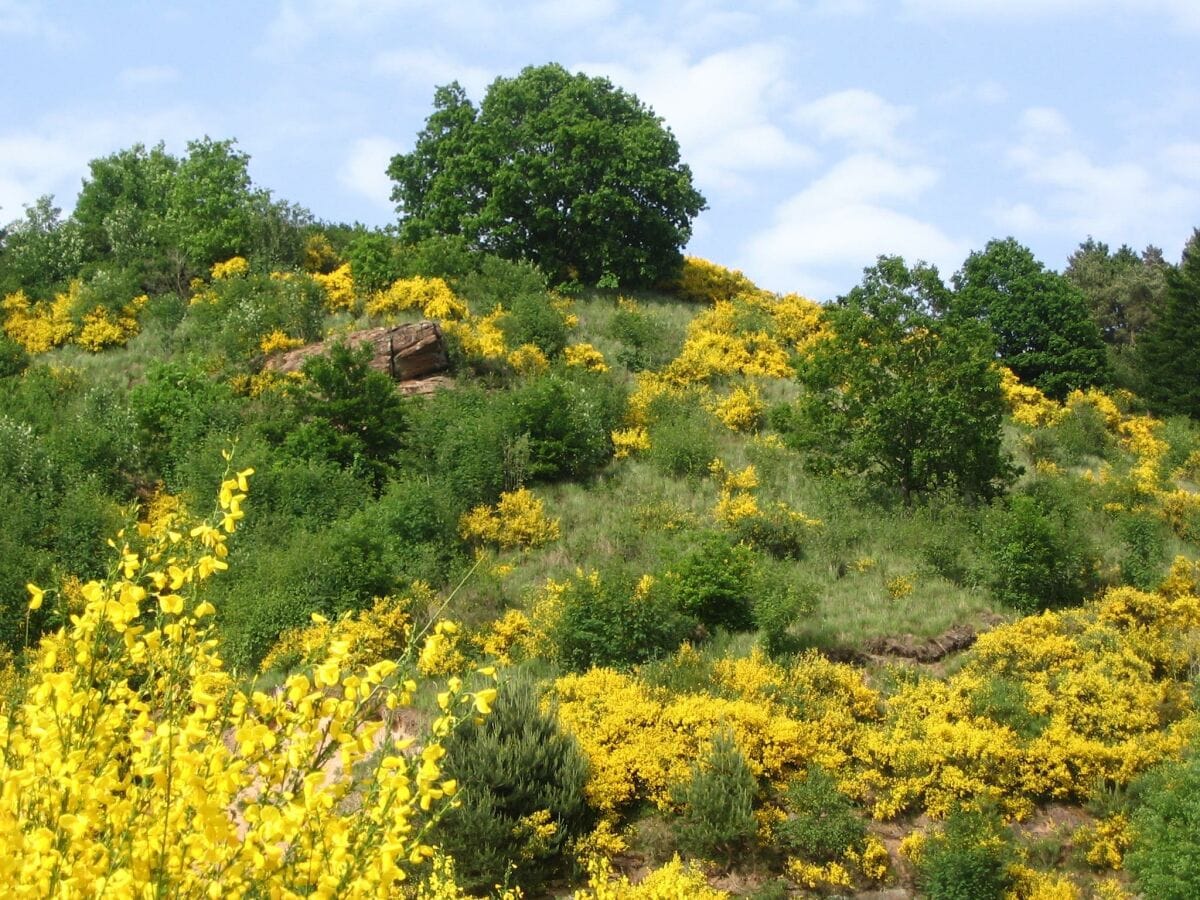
(517, 520)
(135, 764)
(432, 296)
(1045, 707)
(339, 288)
(39, 327)
(585, 356)
(701, 281)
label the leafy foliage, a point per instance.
(900, 397)
(1165, 856)
(567, 171)
(522, 799)
(1043, 329)
(967, 859)
(716, 818)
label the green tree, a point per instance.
(1169, 353)
(349, 413)
(1123, 290)
(212, 205)
(716, 817)
(901, 397)
(1043, 330)
(40, 252)
(567, 171)
(122, 208)
(521, 800)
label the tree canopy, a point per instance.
(1043, 329)
(901, 397)
(1124, 290)
(569, 172)
(1169, 353)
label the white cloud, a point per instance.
(365, 169)
(1184, 13)
(28, 20)
(860, 118)
(427, 68)
(144, 76)
(1075, 194)
(52, 156)
(846, 219)
(1183, 160)
(723, 108)
(300, 22)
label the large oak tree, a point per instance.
(570, 172)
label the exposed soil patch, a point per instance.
(932, 649)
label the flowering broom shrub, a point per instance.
(134, 764)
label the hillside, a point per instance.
(778, 598)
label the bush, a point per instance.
(335, 570)
(968, 859)
(348, 413)
(235, 313)
(13, 358)
(1083, 433)
(569, 423)
(779, 603)
(531, 319)
(374, 261)
(494, 281)
(1006, 700)
(1037, 557)
(521, 798)
(175, 408)
(1165, 857)
(681, 443)
(1145, 550)
(642, 336)
(459, 438)
(822, 823)
(714, 583)
(615, 622)
(716, 819)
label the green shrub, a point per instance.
(1183, 439)
(532, 320)
(1005, 700)
(175, 408)
(779, 603)
(281, 581)
(716, 817)
(459, 438)
(1083, 433)
(1165, 856)
(643, 340)
(568, 421)
(238, 312)
(1145, 550)
(494, 281)
(774, 531)
(608, 622)
(376, 260)
(348, 413)
(521, 800)
(822, 823)
(714, 582)
(681, 443)
(1036, 555)
(967, 859)
(13, 358)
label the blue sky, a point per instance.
(822, 133)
